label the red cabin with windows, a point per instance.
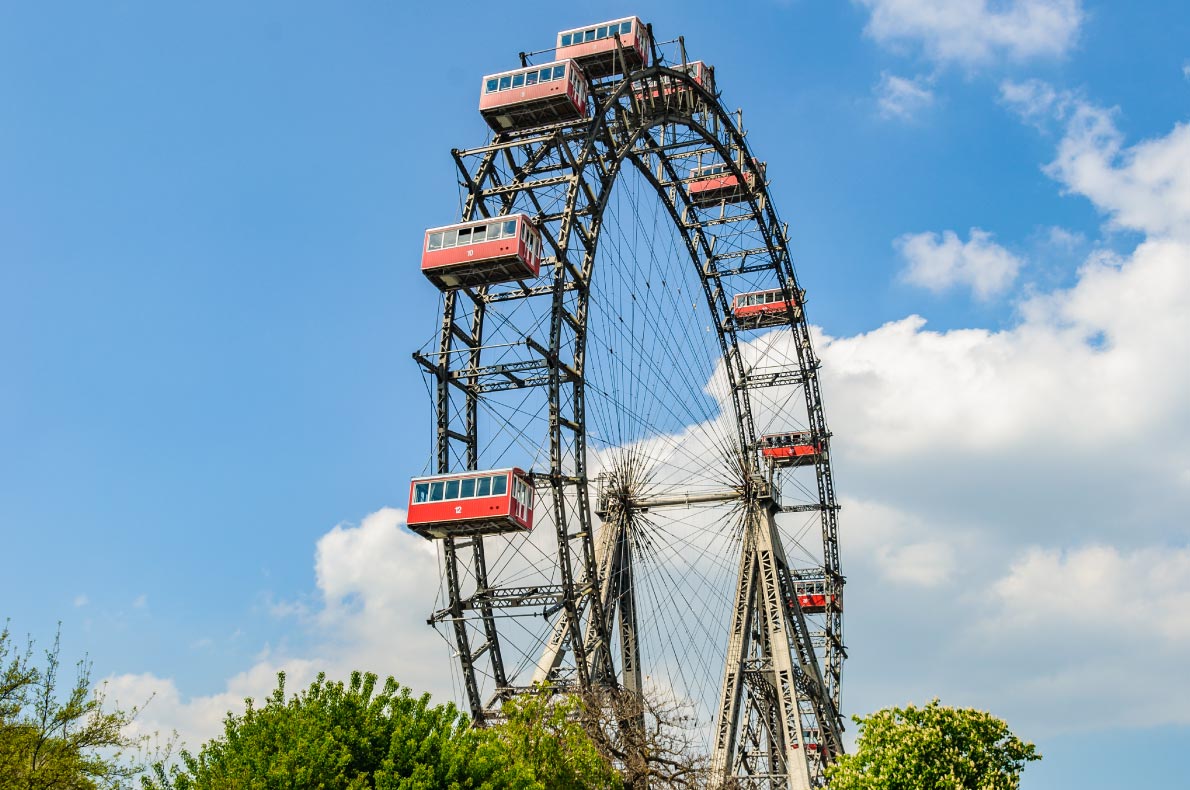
(669, 87)
(811, 739)
(595, 47)
(813, 596)
(471, 503)
(715, 183)
(759, 309)
(798, 448)
(482, 252)
(700, 72)
(534, 96)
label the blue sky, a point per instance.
(209, 219)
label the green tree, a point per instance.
(337, 736)
(55, 738)
(549, 744)
(932, 748)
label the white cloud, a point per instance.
(1070, 429)
(1063, 239)
(1103, 619)
(905, 551)
(1035, 101)
(1086, 370)
(1049, 639)
(81, 600)
(940, 263)
(1144, 187)
(972, 32)
(1088, 367)
(375, 581)
(919, 564)
(1148, 588)
(198, 718)
(901, 98)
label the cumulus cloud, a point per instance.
(1096, 354)
(1049, 638)
(973, 32)
(903, 99)
(904, 551)
(1096, 613)
(1144, 187)
(919, 564)
(1041, 469)
(195, 719)
(939, 263)
(374, 581)
(1084, 587)
(1085, 374)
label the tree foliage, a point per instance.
(932, 748)
(550, 746)
(56, 738)
(353, 736)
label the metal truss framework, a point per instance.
(781, 680)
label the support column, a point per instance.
(761, 721)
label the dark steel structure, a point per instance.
(667, 549)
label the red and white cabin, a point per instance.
(758, 309)
(798, 448)
(534, 96)
(471, 503)
(482, 252)
(811, 739)
(700, 72)
(716, 183)
(595, 47)
(812, 595)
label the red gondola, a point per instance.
(715, 183)
(700, 72)
(798, 448)
(472, 503)
(534, 96)
(482, 252)
(758, 309)
(595, 47)
(811, 739)
(812, 595)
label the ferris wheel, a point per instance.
(631, 486)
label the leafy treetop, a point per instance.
(59, 736)
(353, 736)
(932, 748)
